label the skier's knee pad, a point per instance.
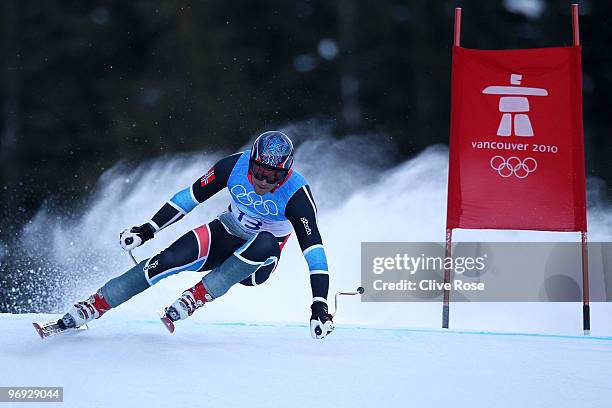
(123, 287)
(260, 276)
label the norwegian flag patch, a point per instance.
(208, 177)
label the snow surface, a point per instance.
(127, 362)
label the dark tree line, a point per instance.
(87, 83)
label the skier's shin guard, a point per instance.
(262, 249)
(124, 287)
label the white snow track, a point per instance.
(124, 362)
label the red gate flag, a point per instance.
(516, 145)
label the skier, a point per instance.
(242, 245)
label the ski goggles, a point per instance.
(270, 174)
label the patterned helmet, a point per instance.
(273, 150)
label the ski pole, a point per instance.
(359, 291)
(133, 259)
(129, 241)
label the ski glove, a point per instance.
(136, 236)
(321, 323)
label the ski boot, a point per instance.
(85, 311)
(184, 306)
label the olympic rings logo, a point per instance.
(513, 166)
(267, 207)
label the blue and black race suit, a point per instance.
(289, 207)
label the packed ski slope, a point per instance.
(122, 362)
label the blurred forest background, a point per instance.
(85, 84)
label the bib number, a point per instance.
(249, 222)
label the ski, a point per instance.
(167, 322)
(49, 329)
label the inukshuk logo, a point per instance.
(514, 108)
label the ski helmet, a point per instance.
(271, 157)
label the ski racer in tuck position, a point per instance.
(242, 245)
